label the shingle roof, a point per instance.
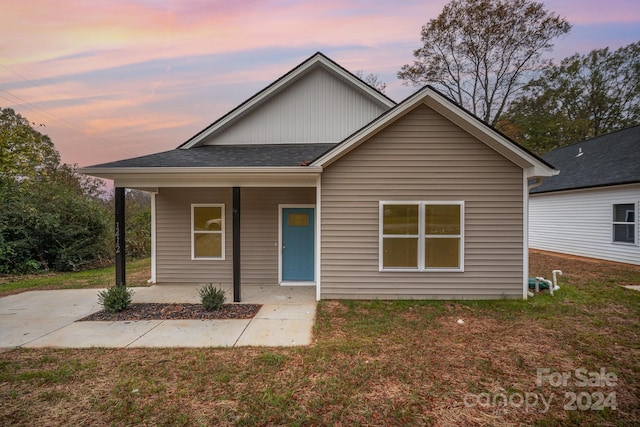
(267, 155)
(610, 159)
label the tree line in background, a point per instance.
(488, 56)
(52, 217)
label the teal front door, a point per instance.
(298, 246)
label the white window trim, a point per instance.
(194, 232)
(634, 223)
(421, 235)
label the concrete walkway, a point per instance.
(48, 319)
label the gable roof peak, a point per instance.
(318, 59)
(434, 99)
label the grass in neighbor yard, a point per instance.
(138, 272)
(373, 363)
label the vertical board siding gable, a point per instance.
(422, 156)
(317, 108)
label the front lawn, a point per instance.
(571, 359)
(138, 272)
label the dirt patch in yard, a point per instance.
(581, 270)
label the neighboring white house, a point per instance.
(591, 208)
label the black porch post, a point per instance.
(121, 276)
(236, 244)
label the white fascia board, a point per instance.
(208, 177)
(284, 81)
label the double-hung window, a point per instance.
(207, 231)
(421, 236)
(624, 223)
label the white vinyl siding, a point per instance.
(319, 107)
(579, 222)
(422, 156)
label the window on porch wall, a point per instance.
(207, 231)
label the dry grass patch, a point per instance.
(373, 363)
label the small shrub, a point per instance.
(116, 298)
(212, 298)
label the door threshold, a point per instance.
(297, 283)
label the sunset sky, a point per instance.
(111, 79)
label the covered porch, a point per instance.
(264, 231)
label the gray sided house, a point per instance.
(591, 208)
(321, 180)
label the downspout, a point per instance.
(537, 183)
(525, 236)
(525, 250)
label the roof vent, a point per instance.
(580, 153)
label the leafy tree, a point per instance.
(24, 152)
(481, 52)
(51, 218)
(585, 96)
(46, 224)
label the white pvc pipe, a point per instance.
(555, 280)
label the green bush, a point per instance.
(212, 298)
(116, 298)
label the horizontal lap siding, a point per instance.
(580, 222)
(422, 156)
(173, 236)
(259, 225)
(259, 233)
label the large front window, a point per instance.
(207, 231)
(624, 223)
(421, 236)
